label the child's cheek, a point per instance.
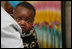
(29, 26)
(19, 23)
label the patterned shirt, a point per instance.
(30, 39)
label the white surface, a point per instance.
(10, 32)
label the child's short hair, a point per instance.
(27, 5)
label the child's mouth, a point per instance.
(23, 28)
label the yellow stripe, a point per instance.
(48, 16)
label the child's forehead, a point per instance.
(23, 10)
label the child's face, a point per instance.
(24, 18)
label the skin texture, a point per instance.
(8, 7)
(24, 17)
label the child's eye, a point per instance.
(28, 20)
(19, 18)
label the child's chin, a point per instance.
(25, 30)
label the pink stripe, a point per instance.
(47, 5)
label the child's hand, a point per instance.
(8, 7)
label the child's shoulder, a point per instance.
(31, 32)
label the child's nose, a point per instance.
(23, 22)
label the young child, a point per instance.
(24, 15)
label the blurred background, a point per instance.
(48, 23)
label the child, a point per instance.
(24, 15)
